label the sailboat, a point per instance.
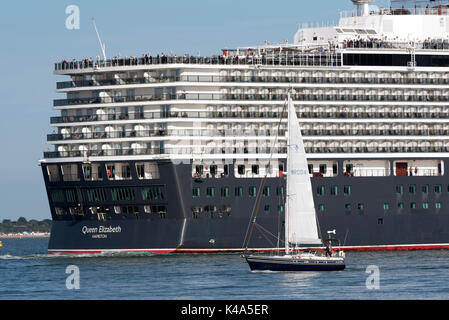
(301, 227)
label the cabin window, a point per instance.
(210, 192)
(92, 172)
(225, 192)
(266, 208)
(226, 170)
(400, 205)
(280, 191)
(252, 191)
(127, 209)
(199, 169)
(238, 191)
(425, 188)
(73, 195)
(281, 208)
(348, 207)
(386, 206)
(310, 166)
(349, 168)
(425, 205)
(323, 168)
(159, 210)
(255, 169)
(76, 211)
(213, 170)
(334, 190)
(361, 206)
(87, 170)
(412, 205)
(126, 171)
(266, 191)
(123, 194)
(438, 188)
(110, 169)
(140, 168)
(241, 169)
(60, 211)
(70, 172)
(53, 175)
(196, 192)
(438, 205)
(321, 207)
(320, 190)
(412, 188)
(153, 193)
(347, 190)
(96, 195)
(57, 196)
(147, 170)
(399, 189)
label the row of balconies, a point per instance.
(354, 96)
(348, 114)
(348, 79)
(242, 133)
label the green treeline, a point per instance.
(22, 225)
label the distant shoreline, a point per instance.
(22, 236)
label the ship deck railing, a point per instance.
(442, 44)
(324, 58)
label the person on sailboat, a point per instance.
(328, 251)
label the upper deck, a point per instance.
(408, 27)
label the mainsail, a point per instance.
(301, 224)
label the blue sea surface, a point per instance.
(28, 272)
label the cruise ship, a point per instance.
(167, 153)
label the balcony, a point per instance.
(281, 97)
(367, 79)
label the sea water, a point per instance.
(27, 271)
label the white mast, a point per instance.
(286, 218)
(102, 45)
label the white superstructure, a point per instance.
(227, 107)
(401, 25)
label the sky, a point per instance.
(34, 37)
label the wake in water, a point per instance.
(77, 256)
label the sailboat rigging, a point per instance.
(301, 224)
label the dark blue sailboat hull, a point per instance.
(273, 264)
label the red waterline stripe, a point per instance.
(98, 251)
(346, 248)
(398, 247)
